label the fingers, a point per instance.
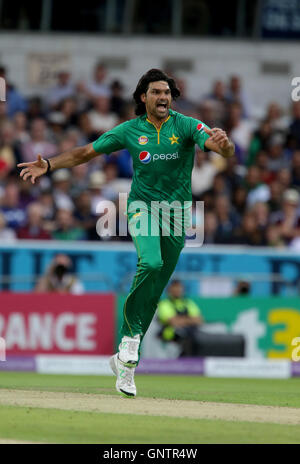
(208, 131)
(20, 165)
(26, 173)
(219, 136)
(31, 163)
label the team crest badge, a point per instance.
(143, 140)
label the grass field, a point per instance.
(168, 409)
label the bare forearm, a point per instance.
(73, 157)
(225, 152)
(219, 142)
(228, 151)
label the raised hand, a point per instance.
(218, 136)
(34, 169)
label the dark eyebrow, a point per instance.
(161, 90)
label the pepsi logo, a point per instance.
(145, 157)
(200, 127)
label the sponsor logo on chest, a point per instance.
(143, 140)
(145, 157)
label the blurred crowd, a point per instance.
(250, 199)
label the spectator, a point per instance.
(273, 237)
(35, 109)
(233, 178)
(38, 142)
(240, 130)
(236, 94)
(183, 104)
(63, 89)
(15, 216)
(79, 179)
(227, 219)
(203, 174)
(276, 191)
(66, 228)
(210, 228)
(239, 200)
(284, 178)
(287, 219)
(117, 101)
(9, 149)
(96, 183)
(257, 191)
(59, 278)
(100, 116)
(88, 133)
(248, 233)
(219, 186)
(98, 86)
(208, 112)
(275, 152)
(47, 202)
(124, 163)
(21, 134)
(259, 141)
(15, 101)
(218, 95)
(61, 189)
(275, 117)
(295, 170)
(33, 228)
(84, 216)
(261, 214)
(56, 123)
(68, 110)
(180, 318)
(113, 183)
(294, 132)
(6, 234)
(242, 288)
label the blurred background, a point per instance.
(70, 75)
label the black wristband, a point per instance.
(48, 167)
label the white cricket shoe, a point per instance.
(123, 365)
(125, 376)
(129, 349)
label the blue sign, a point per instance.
(111, 267)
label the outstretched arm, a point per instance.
(67, 159)
(219, 142)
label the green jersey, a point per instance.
(163, 158)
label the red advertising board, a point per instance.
(57, 324)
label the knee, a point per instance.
(153, 264)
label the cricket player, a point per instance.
(161, 143)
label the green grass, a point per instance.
(56, 426)
(61, 426)
(270, 392)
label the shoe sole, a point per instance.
(112, 363)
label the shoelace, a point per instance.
(128, 377)
(130, 346)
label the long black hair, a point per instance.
(153, 75)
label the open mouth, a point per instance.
(161, 106)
